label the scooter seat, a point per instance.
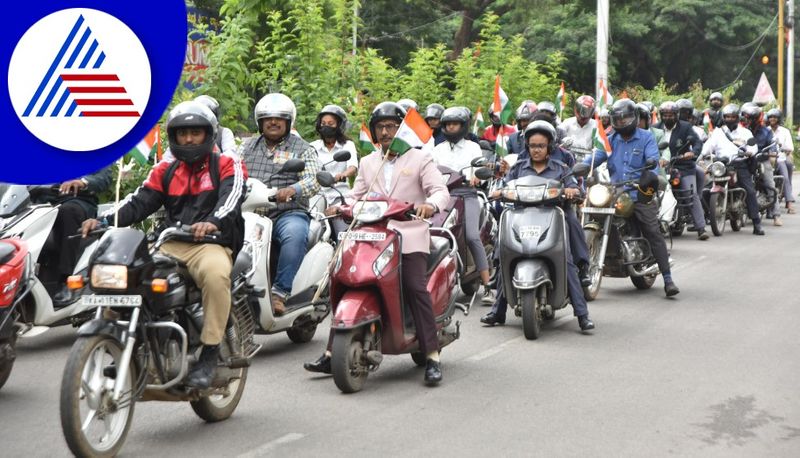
(439, 248)
(6, 252)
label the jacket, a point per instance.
(682, 134)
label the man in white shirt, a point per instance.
(785, 163)
(581, 127)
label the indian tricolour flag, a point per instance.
(603, 96)
(708, 126)
(600, 138)
(561, 100)
(365, 143)
(149, 145)
(413, 133)
(503, 110)
(479, 123)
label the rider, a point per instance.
(193, 196)
(605, 120)
(457, 153)
(540, 137)
(433, 116)
(497, 128)
(714, 104)
(684, 146)
(516, 142)
(632, 149)
(422, 185)
(785, 166)
(225, 142)
(581, 127)
(725, 141)
(658, 134)
(752, 118)
(264, 155)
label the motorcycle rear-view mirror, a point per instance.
(651, 164)
(751, 141)
(567, 142)
(485, 145)
(662, 145)
(478, 162)
(581, 170)
(326, 179)
(293, 166)
(483, 173)
(342, 156)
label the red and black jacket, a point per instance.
(211, 190)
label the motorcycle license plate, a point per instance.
(363, 236)
(598, 210)
(530, 232)
(112, 301)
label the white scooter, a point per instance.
(302, 313)
(33, 223)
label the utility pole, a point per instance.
(601, 68)
(781, 45)
(790, 65)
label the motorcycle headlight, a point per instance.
(531, 194)
(369, 212)
(383, 260)
(599, 195)
(109, 277)
(451, 219)
(717, 169)
(624, 205)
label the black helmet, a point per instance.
(685, 109)
(434, 110)
(544, 128)
(382, 111)
(775, 113)
(335, 111)
(455, 114)
(624, 117)
(644, 113)
(210, 102)
(191, 115)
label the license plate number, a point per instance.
(363, 236)
(112, 301)
(530, 232)
(598, 210)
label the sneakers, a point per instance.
(278, 305)
(790, 209)
(321, 365)
(671, 289)
(777, 221)
(488, 295)
(585, 322)
(702, 235)
(203, 371)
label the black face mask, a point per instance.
(327, 131)
(732, 125)
(670, 123)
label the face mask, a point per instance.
(732, 125)
(669, 123)
(327, 131)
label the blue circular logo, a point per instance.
(86, 82)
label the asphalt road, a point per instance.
(713, 372)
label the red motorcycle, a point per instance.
(370, 318)
(15, 273)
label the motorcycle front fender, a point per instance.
(104, 327)
(356, 308)
(530, 274)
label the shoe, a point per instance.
(488, 295)
(671, 289)
(64, 296)
(790, 209)
(491, 319)
(585, 322)
(583, 274)
(321, 365)
(433, 373)
(203, 371)
(757, 230)
(702, 235)
(278, 305)
(777, 221)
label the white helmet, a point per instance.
(408, 103)
(275, 105)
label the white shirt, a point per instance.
(668, 132)
(388, 170)
(325, 155)
(701, 133)
(719, 145)
(457, 156)
(785, 145)
(582, 137)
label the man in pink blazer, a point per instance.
(412, 177)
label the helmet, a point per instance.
(408, 103)
(685, 109)
(667, 107)
(644, 113)
(459, 115)
(544, 128)
(649, 105)
(275, 105)
(624, 118)
(751, 114)
(191, 114)
(547, 107)
(715, 96)
(730, 109)
(697, 115)
(382, 111)
(584, 106)
(434, 110)
(336, 111)
(775, 113)
(603, 113)
(525, 110)
(209, 102)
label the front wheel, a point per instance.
(347, 361)
(93, 423)
(531, 315)
(645, 282)
(737, 222)
(7, 363)
(594, 241)
(716, 205)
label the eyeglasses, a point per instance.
(537, 146)
(391, 127)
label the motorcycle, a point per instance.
(33, 223)
(16, 282)
(320, 202)
(766, 196)
(724, 200)
(533, 249)
(370, 317)
(303, 314)
(615, 247)
(139, 345)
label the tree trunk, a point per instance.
(464, 35)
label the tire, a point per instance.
(737, 222)
(85, 366)
(419, 359)
(531, 316)
(594, 240)
(7, 364)
(645, 282)
(217, 407)
(678, 229)
(717, 213)
(349, 370)
(471, 288)
(302, 334)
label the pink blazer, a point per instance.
(416, 179)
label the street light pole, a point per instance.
(790, 66)
(781, 45)
(601, 68)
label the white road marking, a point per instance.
(264, 449)
(683, 265)
(489, 352)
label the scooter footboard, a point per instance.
(530, 273)
(355, 308)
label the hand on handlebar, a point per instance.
(200, 230)
(285, 194)
(88, 226)
(424, 211)
(333, 211)
(572, 193)
(71, 187)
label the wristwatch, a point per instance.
(85, 182)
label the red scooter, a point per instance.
(370, 318)
(15, 274)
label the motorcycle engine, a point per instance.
(634, 250)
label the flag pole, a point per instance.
(120, 165)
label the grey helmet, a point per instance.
(336, 111)
(685, 109)
(775, 113)
(434, 111)
(408, 103)
(191, 114)
(459, 115)
(544, 128)
(547, 107)
(275, 105)
(210, 102)
(751, 114)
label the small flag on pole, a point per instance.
(147, 146)
(600, 138)
(708, 126)
(603, 96)
(479, 123)
(501, 106)
(413, 133)
(365, 143)
(561, 100)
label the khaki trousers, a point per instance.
(210, 266)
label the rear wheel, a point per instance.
(348, 362)
(7, 363)
(594, 240)
(678, 228)
(302, 333)
(716, 204)
(737, 222)
(643, 282)
(471, 288)
(531, 315)
(419, 358)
